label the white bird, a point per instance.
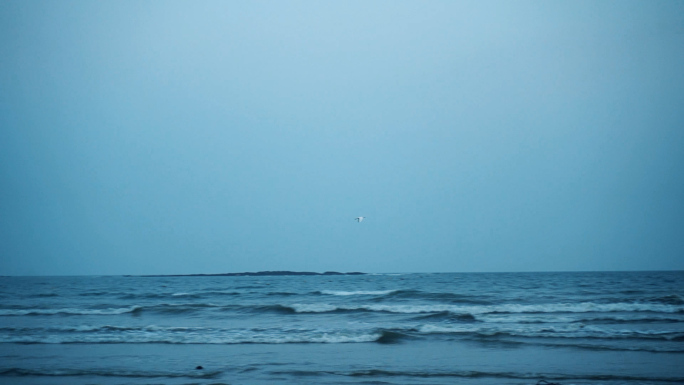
(359, 219)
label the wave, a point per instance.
(181, 308)
(166, 308)
(480, 374)
(667, 299)
(671, 299)
(361, 292)
(44, 295)
(489, 313)
(21, 372)
(278, 309)
(435, 296)
(175, 335)
(392, 336)
(278, 293)
(446, 317)
(572, 331)
(196, 295)
(629, 319)
(68, 311)
(97, 294)
(577, 318)
(203, 294)
(249, 287)
(585, 307)
(274, 335)
(102, 328)
(448, 325)
(162, 308)
(382, 295)
(597, 346)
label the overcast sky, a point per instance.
(162, 137)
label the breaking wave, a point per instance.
(572, 331)
(586, 307)
(192, 335)
(457, 312)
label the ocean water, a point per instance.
(505, 328)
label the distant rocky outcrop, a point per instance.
(254, 274)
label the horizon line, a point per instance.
(316, 273)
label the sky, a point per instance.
(177, 137)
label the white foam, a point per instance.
(584, 307)
(527, 318)
(567, 331)
(345, 293)
(182, 335)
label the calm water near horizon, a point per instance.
(461, 328)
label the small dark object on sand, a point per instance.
(544, 382)
(199, 367)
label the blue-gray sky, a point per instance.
(166, 137)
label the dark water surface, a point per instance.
(506, 328)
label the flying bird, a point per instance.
(359, 219)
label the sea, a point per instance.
(381, 329)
